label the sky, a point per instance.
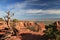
(31, 9)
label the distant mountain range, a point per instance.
(46, 19)
(50, 19)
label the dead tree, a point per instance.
(8, 19)
(11, 29)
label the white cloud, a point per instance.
(33, 11)
(53, 11)
(42, 4)
(44, 11)
(16, 6)
(19, 8)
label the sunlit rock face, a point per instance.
(31, 24)
(41, 26)
(22, 26)
(58, 25)
(13, 38)
(3, 24)
(19, 25)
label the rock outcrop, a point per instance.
(58, 25)
(22, 27)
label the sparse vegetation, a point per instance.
(52, 33)
(32, 28)
(1, 19)
(15, 20)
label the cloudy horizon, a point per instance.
(31, 9)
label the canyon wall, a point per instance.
(23, 25)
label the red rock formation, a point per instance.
(31, 23)
(41, 26)
(19, 25)
(2, 24)
(58, 25)
(22, 26)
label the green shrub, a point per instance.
(32, 28)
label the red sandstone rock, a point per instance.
(2, 24)
(58, 25)
(21, 26)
